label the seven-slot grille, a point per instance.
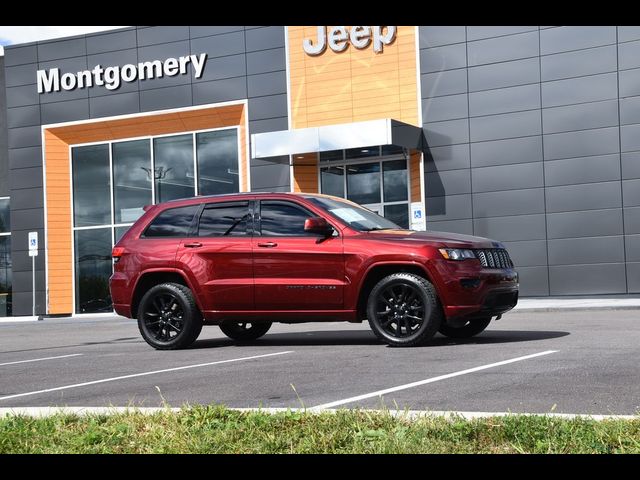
(494, 258)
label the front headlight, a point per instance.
(456, 253)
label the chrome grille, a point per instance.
(494, 258)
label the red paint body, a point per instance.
(297, 279)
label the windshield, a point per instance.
(356, 216)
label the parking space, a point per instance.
(566, 362)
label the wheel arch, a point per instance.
(151, 278)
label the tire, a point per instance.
(245, 331)
(472, 328)
(392, 302)
(168, 317)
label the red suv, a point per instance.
(246, 260)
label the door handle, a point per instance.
(193, 245)
(268, 244)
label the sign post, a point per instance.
(33, 253)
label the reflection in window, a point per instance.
(217, 162)
(131, 179)
(93, 269)
(118, 232)
(218, 221)
(173, 172)
(91, 185)
(363, 183)
(174, 222)
(283, 219)
(5, 275)
(332, 155)
(363, 152)
(5, 218)
(332, 179)
(398, 214)
(395, 180)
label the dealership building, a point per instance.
(528, 135)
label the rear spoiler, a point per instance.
(147, 207)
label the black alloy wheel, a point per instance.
(403, 310)
(245, 331)
(168, 317)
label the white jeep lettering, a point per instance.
(360, 37)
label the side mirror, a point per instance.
(318, 225)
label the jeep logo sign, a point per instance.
(360, 37)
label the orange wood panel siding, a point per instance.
(414, 169)
(353, 85)
(58, 182)
(305, 173)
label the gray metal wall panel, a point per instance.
(506, 74)
(452, 182)
(269, 125)
(55, 50)
(579, 90)
(23, 116)
(629, 82)
(581, 144)
(477, 32)
(507, 125)
(512, 202)
(455, 226)
(121, 104)
(267, 84)
(631, 192)
(164, 34)
(165, 98)
(563, 39)
(627, 33)
(106, 42)
(632, 248)
(266, 61)
(633, 277)
(26, 178)
(607, 278)
(435, 36)
(25, 157)
(160, 52)
(445, 108)
(220, 45)
(448, 82)
(451, 207)
(504, 100)
(269, 176)
(528, 253)
(22, 301)
(223, 67)
(629, 55)
(515, 228)
(20, 55)
(22, 262)
(264, 38)
(24, 137)
(534, 281)
(4, 142)
(267, 107)
(27, 218)
(502, 152)
(591, 223)
(27, 198)
(21, 96)
(206, 31)
(21, 75)
(629, 110)
(631, 165)
(65, 111)
(632, 220)
(219, 91)
(580, 117)
(590, 196)
(446, 133)
(443, 58)
(630, 137)
(601, 168)
(507, 177)
(450, 157)
(578, 63)
(501, 49)
(109, 59)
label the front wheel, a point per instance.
(471, 328)
(244, 331)
(403, 310)
(168, 317)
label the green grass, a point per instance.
(215, 429)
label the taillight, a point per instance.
(116, 253)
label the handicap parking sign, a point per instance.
(417, 214)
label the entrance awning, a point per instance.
(385, 131)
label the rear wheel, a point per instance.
(403, 310)
(471, 328)
(245, 331)
(168, 317)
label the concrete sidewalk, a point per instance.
(601, 302)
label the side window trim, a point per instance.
(258, 217)
(195, 232)
(143, 235)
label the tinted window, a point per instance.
(218, 162)
(5, 223)
(131, 179)
(93, 269)
(174, 222)
(173, 172)
(91, 185)
(283, 219)
(218, 221)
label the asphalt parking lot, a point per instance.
(584, 362)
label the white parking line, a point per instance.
(123, 377)
(41, 359)
(428, 380)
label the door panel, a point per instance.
(294, 270)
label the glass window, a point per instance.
(118, 232)
(5, 218)
(283, 219)
(91, 185)
(363, 183)
(221, 220)
(174, 222)
(5, 275)
(394, 180)
(332, 179)
(332, 155)
(392, 150)
(357, 217)
(131, 179)
(362, 152)
(398, 214)
(173, 170)
(93, 269)
(218, 162)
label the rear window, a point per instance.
(174, 222)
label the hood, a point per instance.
(446, 239)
